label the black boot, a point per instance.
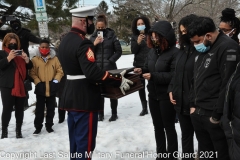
(19, 131)
(100, 116)
(49, 129)
(144, 110)
(114, 117)
(4, 132)
(61, 115)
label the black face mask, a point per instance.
(101, 30)
(16, 26)
(12, 46)
(185, 39)
(90, 29)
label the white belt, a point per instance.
(73, 77)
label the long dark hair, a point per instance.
(185, 22)
(146, 21)
(163, 43)
(228, 16)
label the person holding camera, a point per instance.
(140, 28)
(46, 74)
(13, 67)
(25, 36)
(107, 50)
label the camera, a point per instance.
(8, 18)
(18, 52)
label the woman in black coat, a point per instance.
(140, 28)
(181, 83)
(107, 51)
(158, 70)
(13, 73)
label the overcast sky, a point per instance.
(95, 3)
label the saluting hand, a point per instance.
(11, 55)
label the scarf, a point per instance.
(18, 89)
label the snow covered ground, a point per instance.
(131, 137)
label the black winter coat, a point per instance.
(25, 36)
(107, 52)
(7, 70)
(231, 115)
(77, 58)
(161, 67)
(161, 64)
(181, 82)
(212, 71)
(140, 51)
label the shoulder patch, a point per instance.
(90, 55)
(231, 57)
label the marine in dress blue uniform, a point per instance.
(81, 95)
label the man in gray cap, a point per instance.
(81, 95)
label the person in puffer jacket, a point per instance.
(140, 28)
(46, 73)
(107, 51)
(158, 70)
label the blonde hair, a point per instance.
(8, 37)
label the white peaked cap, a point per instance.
(83, 11)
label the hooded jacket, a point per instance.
(107, 52)
(45, 72)
(161, 64)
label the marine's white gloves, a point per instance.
(125, 85)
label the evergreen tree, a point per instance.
(58, 13)
(103, 9)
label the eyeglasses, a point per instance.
(224, 30)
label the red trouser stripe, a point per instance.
(90, 130)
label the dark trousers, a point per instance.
(82, 130)
(141, 92)
(187, 134)
(40, 108)
(26, 100)
(8, 101)
(163, 116)
(61, 112)
(114, 104)
(211, 138)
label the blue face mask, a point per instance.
(201, 47)
(140, 28)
